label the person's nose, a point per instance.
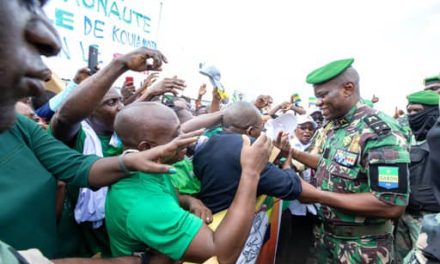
(43, 36)
(319, 102)
(119, 106)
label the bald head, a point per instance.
(146, 121)
(241, 115)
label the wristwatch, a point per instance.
(144, 256)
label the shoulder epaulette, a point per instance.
(377, 124)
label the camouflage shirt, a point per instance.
(365, 151)
(428, 242)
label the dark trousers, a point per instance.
(295, 239)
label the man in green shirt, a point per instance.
(88, 114)
(31, 160)
(362, 174)
(145, 212)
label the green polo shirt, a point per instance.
(184, 180)
(31, 162)
(143, 211)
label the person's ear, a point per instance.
(249, 131)
(348, 89)
(144, 145)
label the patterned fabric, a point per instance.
(377, 249)
(403, 122)
(366, 151)
(352, 146)
(408, 229)
(428, 243)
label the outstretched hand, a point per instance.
(150, 160)
(151, 78)
(202, 90)
(81, 75)
(255, 157)
(164, 152)
(143, 59)
(167, 85)
(282, 141)
(261, 101)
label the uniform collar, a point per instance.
(348, 117)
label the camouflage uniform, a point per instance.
(428, 243)
(317, 144)
(366, 151)
(408, 229)
(403, 122)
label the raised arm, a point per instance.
(167, 85)
(116, 168)
(200, 94)
(82, 102)
(202, 121)
(216, 100)
(151, 78)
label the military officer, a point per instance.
(362, 173)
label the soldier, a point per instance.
(427, 249)
(423, 112)
(433, 83)
(362, 174)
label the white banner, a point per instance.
(114, 26)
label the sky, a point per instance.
(269, 47)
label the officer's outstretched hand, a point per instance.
(255, 157)
(143, 59)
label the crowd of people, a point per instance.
(102, 174)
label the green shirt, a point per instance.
(184, 180)
(107, 149)
(143, 211)
(31, 162)
(359, 157)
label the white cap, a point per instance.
(302, 119)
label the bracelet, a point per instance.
(121, 163)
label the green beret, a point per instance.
(432, 79)
(424, 97)
(329, 71)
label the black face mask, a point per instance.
(421, 122)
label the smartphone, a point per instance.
(129, 80)
(93, 59)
